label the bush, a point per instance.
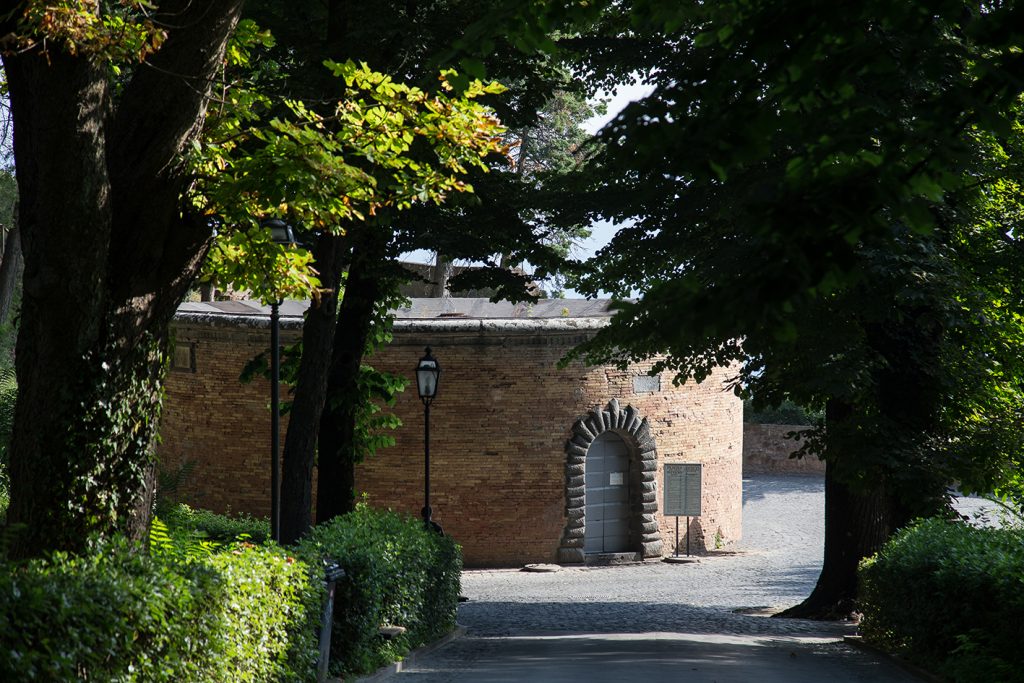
(397, 574)
(196, 610)
(211, 526)
(247, 614)
(8, 397)
(786, 413)
(950, 597)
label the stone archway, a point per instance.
(634, 430)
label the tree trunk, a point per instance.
(857, 523)
(856, 526)
(11, 267)
(338, 456)
(310, 394)
(109, 253)
(442, 273)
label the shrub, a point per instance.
(949, 596)
(181, 519)
(397, 574)
(194, 610)
(8, 397)
(786, 413)
(247, 614)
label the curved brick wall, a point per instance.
(499, 431)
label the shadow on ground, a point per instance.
(547, 618)
(693, 658)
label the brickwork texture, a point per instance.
(499, 428)
(766, 450)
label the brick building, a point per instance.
(529, 462)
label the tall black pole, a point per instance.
(275, 419)
(426, 464)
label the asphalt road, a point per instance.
(701, 622)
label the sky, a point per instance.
(602, 231)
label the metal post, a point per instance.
(332, 574)
(687, 536)
(275, 420)
(677, 536)
(426, 465)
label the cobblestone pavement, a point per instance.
(661, 621)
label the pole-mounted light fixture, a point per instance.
(280, 233)
(428, 372)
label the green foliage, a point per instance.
(185, 548)
(121, 32)
(383, 146)
(9, 333)
(206, 525)
(8, 397)
(201, 606)
(786, 413)
(169, 482)
(949, 596)
(112, 437)
(841, 236)
(398, 573)
(376, 390)
(118, 615)
(8, 189)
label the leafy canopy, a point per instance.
(382, 146)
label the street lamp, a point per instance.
(280, 233)
(428, 371)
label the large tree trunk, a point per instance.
(109, 254)
(856, 525)
(860, 519)
(338, 456)
(310, 394)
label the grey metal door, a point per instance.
(607, 495)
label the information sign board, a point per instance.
(682, 489)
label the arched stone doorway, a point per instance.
(639, 479)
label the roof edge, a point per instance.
(409, 325)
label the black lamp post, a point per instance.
(428, 371)
(280, 233)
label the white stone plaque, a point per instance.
(616, 478)
(682, 489)
(646, 384)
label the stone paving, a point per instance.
(775, 566)
(661, 618)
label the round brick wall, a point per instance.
(501, 471)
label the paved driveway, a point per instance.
(664, 622)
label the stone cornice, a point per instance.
(429, 325)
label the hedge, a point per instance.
(950, 597)
(220, 528)
(192, 610)
(397, 574)
(117, 614)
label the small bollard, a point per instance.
(332, 574)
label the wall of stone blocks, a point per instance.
(766, 450)
(498, 434)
